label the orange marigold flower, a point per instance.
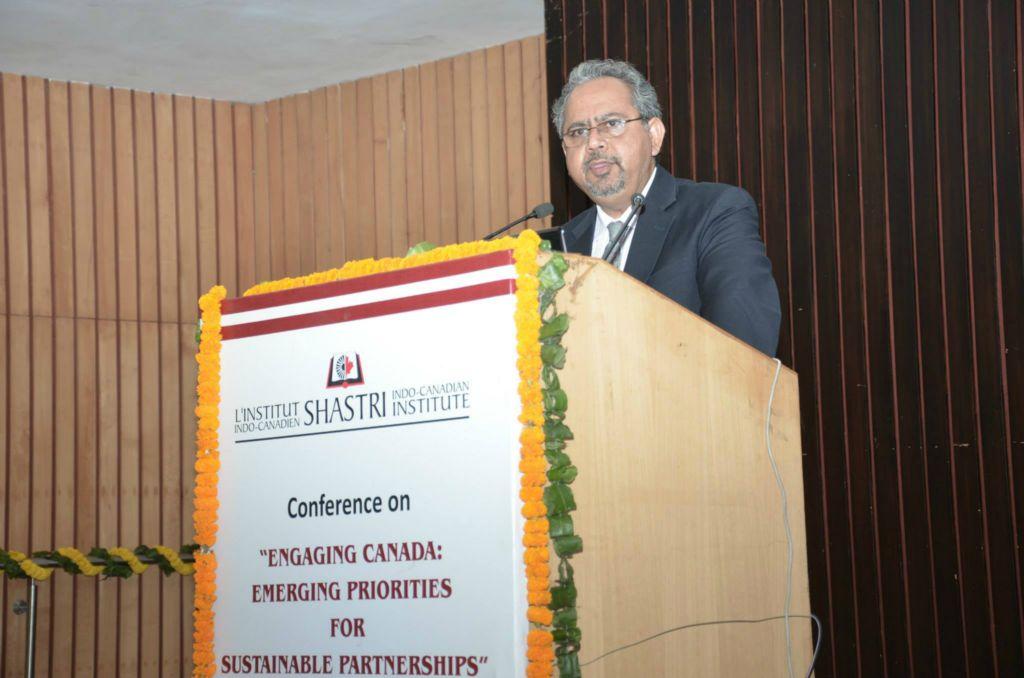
(537, 525)
(537, 584)
(538, 570)
(535, 555)
(539, 637)
(534, 509)
(528, 494)
(535, 539)
(533, 465)
(535, 479)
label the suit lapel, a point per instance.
(579, 232)
(652, 227)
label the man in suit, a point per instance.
(696, 243)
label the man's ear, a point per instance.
(656, 128)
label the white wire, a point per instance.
(785, 518)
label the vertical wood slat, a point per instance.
(882, 142)
(336, 176)
(108, 391)
(206, 194)
(497, 141)
(15, 196)
(378, 131)
(319, 181)
(128, 492)
(63, 415)
(125, 214)
(362, 242)
(41, 465)
(261, 194)
(42, 331)
(40, 224)
(243, 197)
(429, 171)
(105, 209)
(396, 180)
(3, 252)
(479, 133)
(453, 195)
(82, 637)
(119, 208)
(413, 121)
(350, 150)
(5, 590)
(465, 171)
(64, 494)
(308, 243)
(186, 210)
(224, 162)
(275, 189)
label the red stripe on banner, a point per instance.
(368, 282)
(332, 316)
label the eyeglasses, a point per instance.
(614, 127)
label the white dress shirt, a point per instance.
(601, 229)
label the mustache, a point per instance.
(602, 156)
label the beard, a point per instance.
(606, 186)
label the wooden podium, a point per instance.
(679, 509)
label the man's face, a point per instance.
(610, 169)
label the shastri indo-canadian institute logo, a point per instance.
(345, 369)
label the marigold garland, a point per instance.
(540, 651)
(207, 465)
(115, 562)
(540, 642)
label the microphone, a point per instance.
(638, 201)
(538, 212)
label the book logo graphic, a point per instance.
(345, 369)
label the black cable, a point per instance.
(813, 617)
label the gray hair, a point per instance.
(645, 99)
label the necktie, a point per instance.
(614, 229)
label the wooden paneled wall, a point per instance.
(117, 209)
(882, 142)
(445, 152)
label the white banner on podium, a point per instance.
(369, 513)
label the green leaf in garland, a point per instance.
(547, 297)
(549, 275)
(569, 666)
(557, 430)
(420, 248)
(550, 377)
(564, 619)
(567, 546)
(557, 459)
(558, 498)
(560, 525)
(566, 474)
(555, 327)
(570, 635)
(552, 446)
(553, 355)
(559, 262)
(563, 596)
(199, 330)
(555, 399)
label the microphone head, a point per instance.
(543, 210)
(638, 199)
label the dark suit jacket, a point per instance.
(698, 244)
